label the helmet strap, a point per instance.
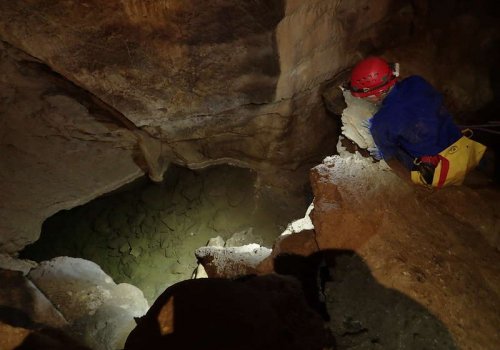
(395, 69)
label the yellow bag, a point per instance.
(454, 162)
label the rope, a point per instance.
(486, 130)
(484, 127)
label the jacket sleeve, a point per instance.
(384, 139)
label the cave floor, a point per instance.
(146, 234)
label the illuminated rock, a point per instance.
(100, 312)
(231, 261)
(440, 248)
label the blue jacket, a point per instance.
(412, 122)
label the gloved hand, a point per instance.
(375, 153)
(366, 123)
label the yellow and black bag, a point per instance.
(454, 162)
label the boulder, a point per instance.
(231, 261)
(22, 304)
(100, 312)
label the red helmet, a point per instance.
(372, 76)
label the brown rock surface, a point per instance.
(12, 338)
(440, 248)
(55, 153)
(224, 81)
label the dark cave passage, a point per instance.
(145, 234)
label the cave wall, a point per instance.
(216, 81)
(55, 153)
(201, 83)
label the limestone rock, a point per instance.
(8, 262)
(216, 242)
(242, 238)
(300, 225)
(24, 305)
(214, 91)
(100, 312)
(55, 153)
(231, 262)
(27, 317)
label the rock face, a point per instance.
(200, 76)
(100, 312)
(55, 152)
(63, 303)
(440, 248)
(27, 318)
(24, 305)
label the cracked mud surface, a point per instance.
(146, 235)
